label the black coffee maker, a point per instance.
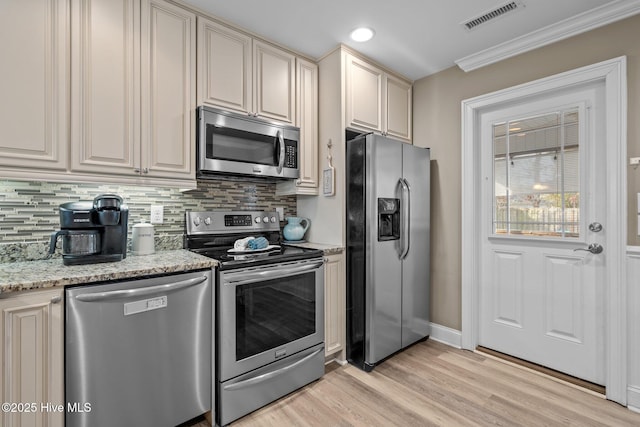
(92, 232)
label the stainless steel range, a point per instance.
(269, 327)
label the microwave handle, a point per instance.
(281, 158)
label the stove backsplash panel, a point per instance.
(29, 210)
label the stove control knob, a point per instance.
(274, 219)
(196, 221)
(207, 221)
(258, 220)
(265, 220)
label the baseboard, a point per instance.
(633, 398)
(446, 335)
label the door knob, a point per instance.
(594, 248)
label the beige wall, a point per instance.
(437, 124)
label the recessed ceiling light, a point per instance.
(362, 34)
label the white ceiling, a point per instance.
(416, 37)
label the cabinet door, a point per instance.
(31, 360)
(105, 92)
(334, 300)
(364, 95)
(307, 113)
(274, 83)
(398, 108)
(34, 110)
(224, 67)
(168, 90)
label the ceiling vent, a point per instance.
(492, 14)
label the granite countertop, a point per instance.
(328, 249)
(26, 275)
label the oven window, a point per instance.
(275, 312)
(241, 146)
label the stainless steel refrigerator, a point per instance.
(388, 232)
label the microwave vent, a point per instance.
(492, 14)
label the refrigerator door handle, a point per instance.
(406, 210)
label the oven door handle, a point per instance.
(269, 375)
(281, 146)
(242, 278)
(138, 292)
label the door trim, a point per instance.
(614, 75)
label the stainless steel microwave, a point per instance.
(235, 144)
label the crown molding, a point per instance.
(569, 27)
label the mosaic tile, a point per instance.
(29, 210)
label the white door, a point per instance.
(543, 171)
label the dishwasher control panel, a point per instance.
(145, 305)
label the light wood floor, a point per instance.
(431, 384)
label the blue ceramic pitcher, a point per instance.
(294, 230)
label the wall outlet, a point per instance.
(280, 211)
(157, 214)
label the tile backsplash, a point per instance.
(29, 210)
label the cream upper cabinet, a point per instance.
(377, 101)
(133, 98)
(307, 115)
(364, 94)
(274, 82)
(34, 111)
(243, 74)
(31, 360)
(335, 306)
(225, 75)
(399, 108)
(105, 90)
(168, 83)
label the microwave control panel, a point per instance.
(290, 154)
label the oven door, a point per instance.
(267, 313)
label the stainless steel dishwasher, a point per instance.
(138, 353)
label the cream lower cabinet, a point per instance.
(335, 307)
(34, 52)
(32, 375)
(376, 100)
(240, 73)
(133, 98)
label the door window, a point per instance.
(537, 175)
(274, 312)
(241, 146)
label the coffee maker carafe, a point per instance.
(92, 232)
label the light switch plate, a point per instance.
(157, 214)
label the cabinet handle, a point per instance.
(56, 300)
(145, 170)
(137, 170)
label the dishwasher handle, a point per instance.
(139, 292)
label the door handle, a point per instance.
(244, 278)
(594, 248)
(269, 375)
(406, 216)
(281, 151)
